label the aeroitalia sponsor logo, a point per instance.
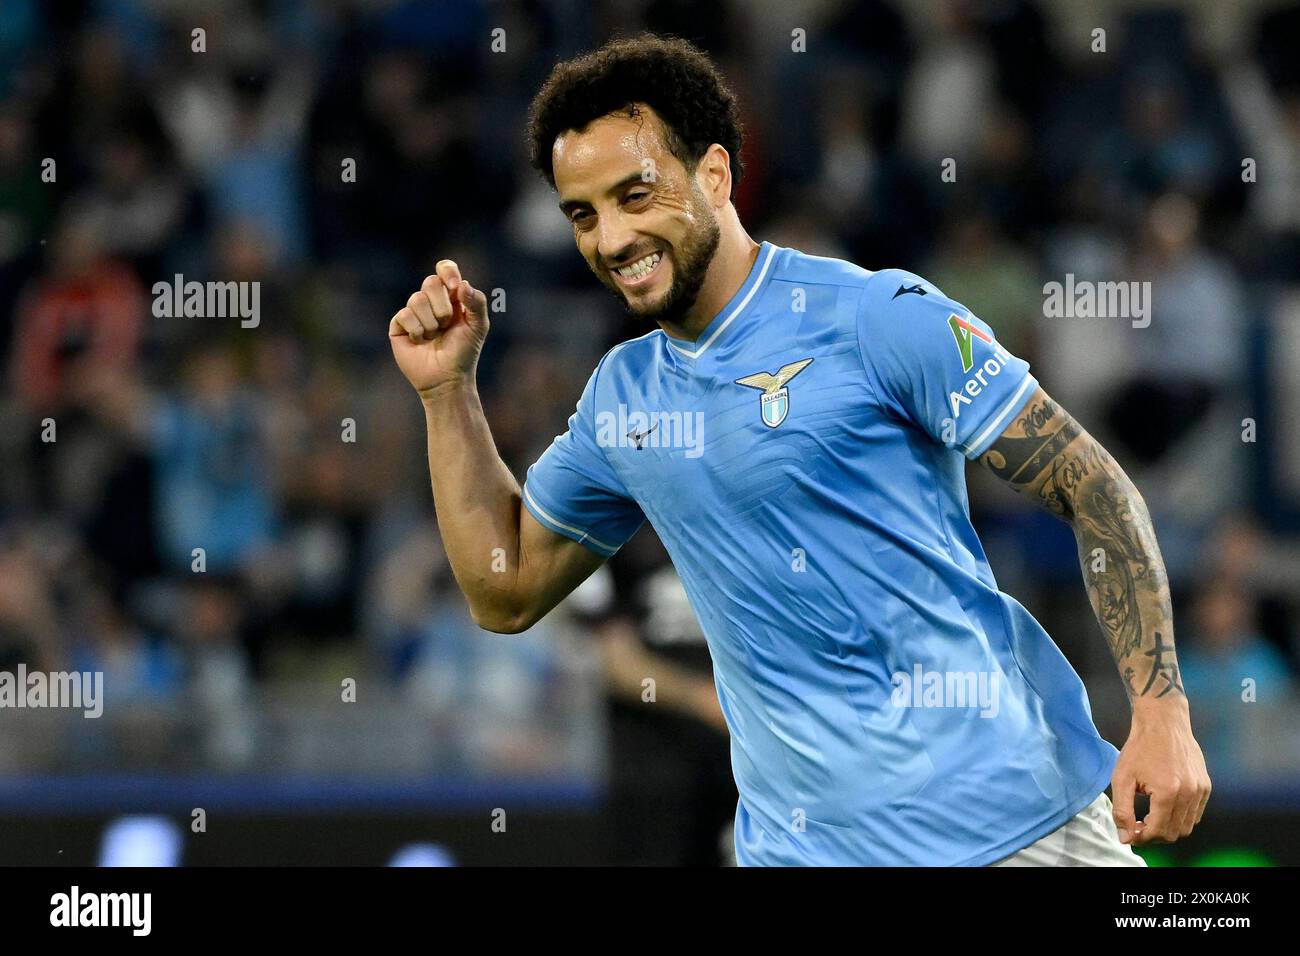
(963, 331)
(973, 386)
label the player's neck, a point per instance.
(728, 271)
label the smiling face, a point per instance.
(639, 216)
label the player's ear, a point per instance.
(715, 170)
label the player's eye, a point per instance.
(581, 217)
(636, 196)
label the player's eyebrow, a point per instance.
(568, 205)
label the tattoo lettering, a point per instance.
(1164, 669)
(1020, 460)
(1039, 415)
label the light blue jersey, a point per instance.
(802, 461)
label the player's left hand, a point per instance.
(1162, 760)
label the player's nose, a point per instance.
(616, 242)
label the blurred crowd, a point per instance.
(204, 510)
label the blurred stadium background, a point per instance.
(224, 688)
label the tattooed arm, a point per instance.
(1046, 454)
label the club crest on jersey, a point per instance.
(774, 402)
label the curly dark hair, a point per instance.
(670, 75)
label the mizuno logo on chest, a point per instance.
(774, 402)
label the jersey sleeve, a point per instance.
(572, 490)
(931, 362)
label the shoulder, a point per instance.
(631, 357)
(632, 353)
(791, 265)
(876, 293)
(894, 294)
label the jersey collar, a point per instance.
(732, 310)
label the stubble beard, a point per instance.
(690, 269)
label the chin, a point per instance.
(647, 309)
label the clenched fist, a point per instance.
(438, 336)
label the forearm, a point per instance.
(1126, 581)
(511, 569)
(1129, 590)
(477, 501)
(1046, 454)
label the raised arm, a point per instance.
(1046, 454)
(511, 569)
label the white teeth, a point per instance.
(639, 268)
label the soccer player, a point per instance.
(796, 430)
